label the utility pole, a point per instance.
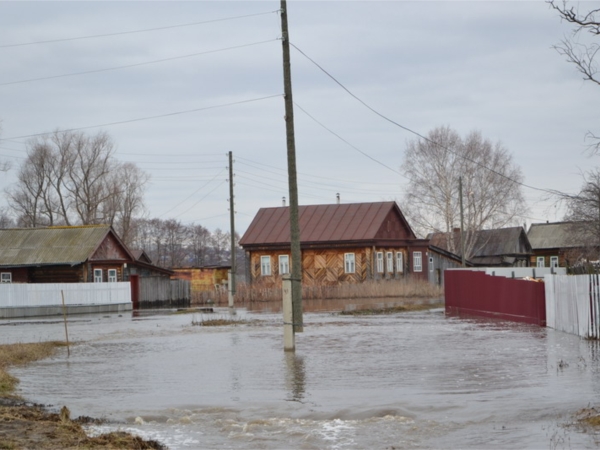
(232, 230)
(462, 223)
(296, 269)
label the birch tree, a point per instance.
(492, 196)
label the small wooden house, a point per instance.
(562, 244)
(340, 243)
(79, 254)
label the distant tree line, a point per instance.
(170, 243)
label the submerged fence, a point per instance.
(15, 295)
(573, 304)
(475, 293)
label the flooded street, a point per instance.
(409, 380)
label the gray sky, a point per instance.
(477, 65)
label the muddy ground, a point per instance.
(25, 425)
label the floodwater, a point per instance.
(410, 380)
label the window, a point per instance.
(554, 261)
(112, 275)
(399, 262)
(540, 261)
(265, 265)
(97, 275)
(6, 277)
(431, 263)
(349, 264)
(417, 262)
(389, 256)
(379, 262)
(284, 264)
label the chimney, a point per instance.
(283, 201)
(337, 196)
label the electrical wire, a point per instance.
(483, 166)
(223, 105)
(156, 61)
(120, 33)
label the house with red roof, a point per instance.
(340, 243)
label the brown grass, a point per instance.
(589, 417)
(20, 355)
(391, 309)
(216, 322)
(256, 292)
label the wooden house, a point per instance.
(340, 243)
(439, 261)
(562, 244)
(500, 247)
(80, 254)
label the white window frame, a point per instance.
(349, 263)
(379, 262)
(6, 277)
(284, 264)
(540, 261)
(112, 275)
(265, 265)
(554, 261)
(399, 262)
(389, 256)
(97, 275)
(417, 262)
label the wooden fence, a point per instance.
(157, 291)
(573, 304)
(475, 293)
(16, 295)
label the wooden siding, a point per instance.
(203, 279)
(110, 249)
(56, 274)
(327, 266)
(161, 289)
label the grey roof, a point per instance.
(558, 235)
(490, 243)
(53, 245)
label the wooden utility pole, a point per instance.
(296, 269)
(232, 230)
(462, 223)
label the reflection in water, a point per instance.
(295, 376)
(340, 304)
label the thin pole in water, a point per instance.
(65, 317)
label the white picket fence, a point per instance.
(573, 304)
(16, 295)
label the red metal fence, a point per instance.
(475, 293)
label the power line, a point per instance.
(156, 61)
(223, 105)
(94, 36)
(550, 191)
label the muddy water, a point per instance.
(412, 380)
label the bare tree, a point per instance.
(583, 210)
(577, 49)
(6, 221)
(492, 196)
(221, 243)
(199, 245)
(72, 178)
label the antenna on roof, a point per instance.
(337, 196)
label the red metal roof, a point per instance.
(324, 223)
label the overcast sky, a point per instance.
(477, 65)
